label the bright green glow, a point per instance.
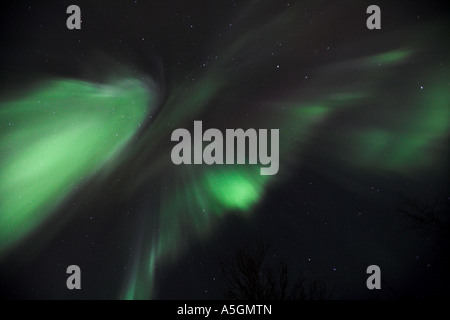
(214, 192)
(54, 137)
(234, 190)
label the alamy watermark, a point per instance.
(237, 141)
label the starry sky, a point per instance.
(86, 118)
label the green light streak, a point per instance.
(53, 138)
(390, 57)
(413, 141)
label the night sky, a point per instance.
(86, 118)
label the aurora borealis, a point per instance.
(56, 136)
(86, 118)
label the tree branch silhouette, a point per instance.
(250, 277)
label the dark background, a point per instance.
(328, 218)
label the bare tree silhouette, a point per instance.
(250, 277)
(430, 217)
(433, 219)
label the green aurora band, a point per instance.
(53, 138)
